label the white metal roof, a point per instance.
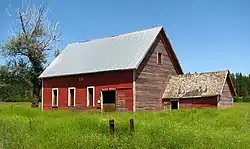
(112, 53)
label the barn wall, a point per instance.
(151, 78)
(122, 81)
(226, 99)
(203, 102)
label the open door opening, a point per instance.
(174, 104)
(108, 99)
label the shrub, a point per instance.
(238, 99)
(242, 99)
(17, 99)
(246, 99)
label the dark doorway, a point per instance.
(108, 99)
(175, 104)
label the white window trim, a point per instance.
(178, 104)
(134, 92)
(88, 95)
(52, 104)
(101, 101)
(218, 101)
(157, 58)
(42, 97)
(69, 96)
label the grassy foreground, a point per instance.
(24, 127)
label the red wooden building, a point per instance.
(129, 72)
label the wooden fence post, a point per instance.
(132, 126)
(112, 127)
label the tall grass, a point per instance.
(23, 127)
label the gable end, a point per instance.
(228, 81)
(171, 52)
(151, 76)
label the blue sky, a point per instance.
(207, 35)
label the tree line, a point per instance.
(242, 86)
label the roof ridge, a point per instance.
(208, 72)
(112, 36)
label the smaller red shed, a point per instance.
(211, 89)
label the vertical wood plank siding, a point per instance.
(122, 81)
(226, 99)
(151, 77)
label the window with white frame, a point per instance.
(71, 96)
(55, 97)
(90, 96)
(159, 58)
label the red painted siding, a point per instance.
(122, 81)
(202, 102)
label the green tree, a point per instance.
(27, 47)
(248, 84)
(13, 87)
(241, 84)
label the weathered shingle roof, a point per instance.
(112, 53)
(196, 85)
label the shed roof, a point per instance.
(196, 85)
(112, 53)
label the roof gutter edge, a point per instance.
(192, 97)
(55, 76)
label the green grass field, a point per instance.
(28, 128)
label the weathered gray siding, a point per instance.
(226, 97)
(151, 78)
